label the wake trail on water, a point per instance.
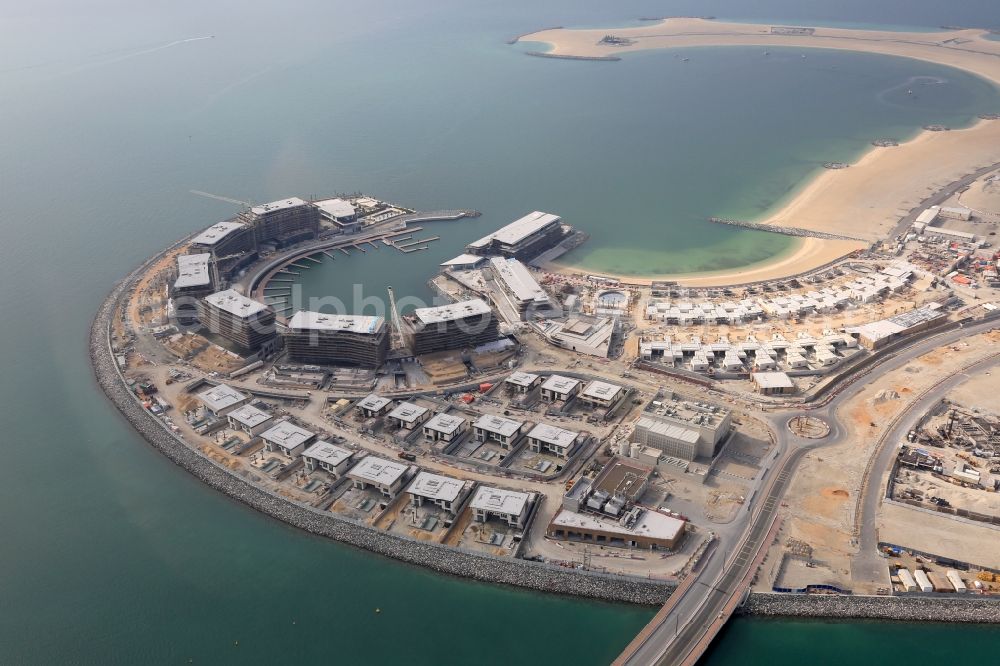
(135, 54)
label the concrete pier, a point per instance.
(328, 254)
(310, 258)
(305, 266)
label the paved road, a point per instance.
(678, 633)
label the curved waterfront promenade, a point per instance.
(440, 558)
(865, 201)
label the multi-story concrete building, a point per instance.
(497, 429)
(327, 339)
(386, 476)
(602, 394)
(509, 506)
(558, 441)
(559, 388)
(444, 428)
(222, 399)
(523, 239)
(241, 320)
(522, 382)
(339, 213)
(372, 406)
(284, 222)
(196, 279)
(443, 491)
(682, 428)
(330, 458)
(223, 239)
(519, 288)
(455, 326)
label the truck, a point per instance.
(407, 456)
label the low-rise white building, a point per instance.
(601, 394)
(328, 457)
(387, 476)
(497, 428)
(373, 405)
(287, 438)
(222, 399)
(444, 427)
(558, 441)
(559, 388)
(249, 419)
(443, 491)
(522, 382)
(408, 416)
(509, 506)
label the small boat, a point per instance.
(685, 59)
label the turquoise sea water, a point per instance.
(109, 119)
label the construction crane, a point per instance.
(396, 330)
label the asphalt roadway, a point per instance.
(678, 637)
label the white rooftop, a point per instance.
(518, 280)
(235, 303)
(287, 434)
(378, 470)
(249, 416)
(374, 402)
(408, 412)
(436, 487)
(602, 390)
(220, 397)
(452, 311)
(192, 270)
(320, 321)
(283, 204)
(668, 429)
(446, 423)
(499, 500)
(464, 260)
(217, 232)
(650, 524)
(328, 453)
(519, 229)
(554, 435)
(498, 424)
(521, 378)
(560, 384)
(336, 207)
(772, 380)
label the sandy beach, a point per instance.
(864, 201)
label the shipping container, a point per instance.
(923, 582)
(909, 585)
(956, 581)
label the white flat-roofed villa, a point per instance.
(373, 405)
(408, 416)
(556, 440)
(443, 491)
(559, 388)
(510, 506)
(328, 457)
(497, 428)
(222, 399)
(287, 438)
(249, 419)
(522, 382)
(387, 476)
(444, 427)
(601, 394)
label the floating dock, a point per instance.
(286, 271)
(314, 259)
(328, 254)
(358, 247)
(304, 266)
(410, 248)
(344, 251)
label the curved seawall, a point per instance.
(440, 558)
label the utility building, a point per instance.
(242, 320)
(459, 325)
(682, 428)
(326, 339)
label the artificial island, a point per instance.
(816, 436)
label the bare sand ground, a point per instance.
(865, 200)
(984, 195)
